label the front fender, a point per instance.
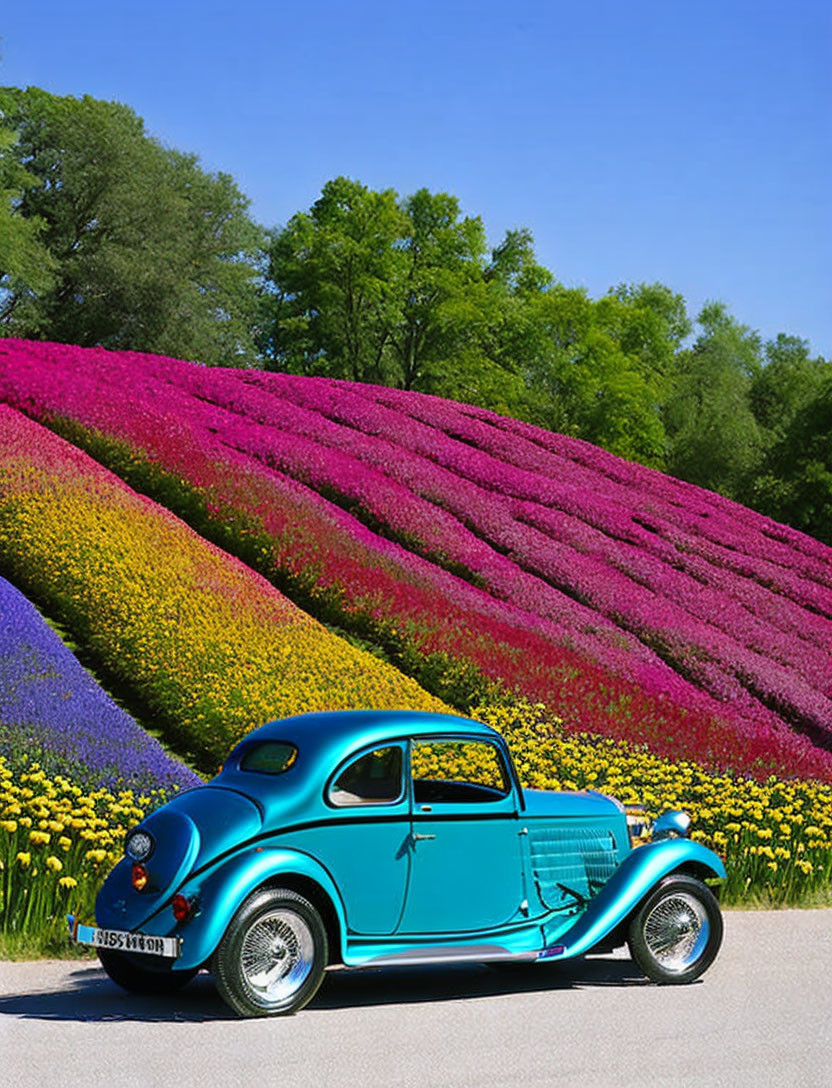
(637, 875)
(221, 891)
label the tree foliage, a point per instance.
(713, 437)
(372, 288)
(147, 250)
(792, 400)
(404, 291)
(25, 263)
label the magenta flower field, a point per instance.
(480, 553)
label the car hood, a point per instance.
(188, 832)
(583, 804)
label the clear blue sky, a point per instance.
(689, 143)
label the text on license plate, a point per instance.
(135, 942)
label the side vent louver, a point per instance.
(571, 860)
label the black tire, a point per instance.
(675, 934)
(271, 960)
(126, 972)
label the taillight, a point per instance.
(139, 877)
(181, 908)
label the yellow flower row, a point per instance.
(211, 646)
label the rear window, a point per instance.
(269, 757)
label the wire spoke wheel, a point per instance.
(277, 955)
(272, 957)
(676, 933)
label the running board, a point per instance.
(484, 953)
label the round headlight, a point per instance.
(637, 824)
(139, 845)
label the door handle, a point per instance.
(419, 838)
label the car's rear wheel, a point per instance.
(676, 933)
(126, 972)
(272, 957)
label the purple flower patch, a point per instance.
(55, 713)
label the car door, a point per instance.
(466, 867)
(365, 845)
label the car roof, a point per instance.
(324, 741)
(334, 734)
(374, 724)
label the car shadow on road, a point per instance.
(463, 982)
(91, 996)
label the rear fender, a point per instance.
(219, 893)
(637, 875)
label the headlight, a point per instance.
(638, 824)
(139, 845)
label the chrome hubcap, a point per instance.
(277, 955)
(676, 931)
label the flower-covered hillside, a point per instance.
(210, 647)
(472, 546)
(53, 712)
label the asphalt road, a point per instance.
(761, 1016)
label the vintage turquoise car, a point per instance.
(363, 838)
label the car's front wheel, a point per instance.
(272, 957)
(126, 972)
(675, 934)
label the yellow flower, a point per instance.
(9, 825)
(39, 838)
(68, 882)
(25, 859)
(53, 863)
(96, 855)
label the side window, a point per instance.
(372, 779)
(445, 770)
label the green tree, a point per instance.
(650, 325)
(25, 263)
(786, 383)
(444, 298)
(514, 265)
(795, 484)
(333, 279)
(791, 398)
(149, 252)
(373, 288)
(714, 439)
(582, 380)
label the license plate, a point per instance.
(122, 941)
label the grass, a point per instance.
(32, 946)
